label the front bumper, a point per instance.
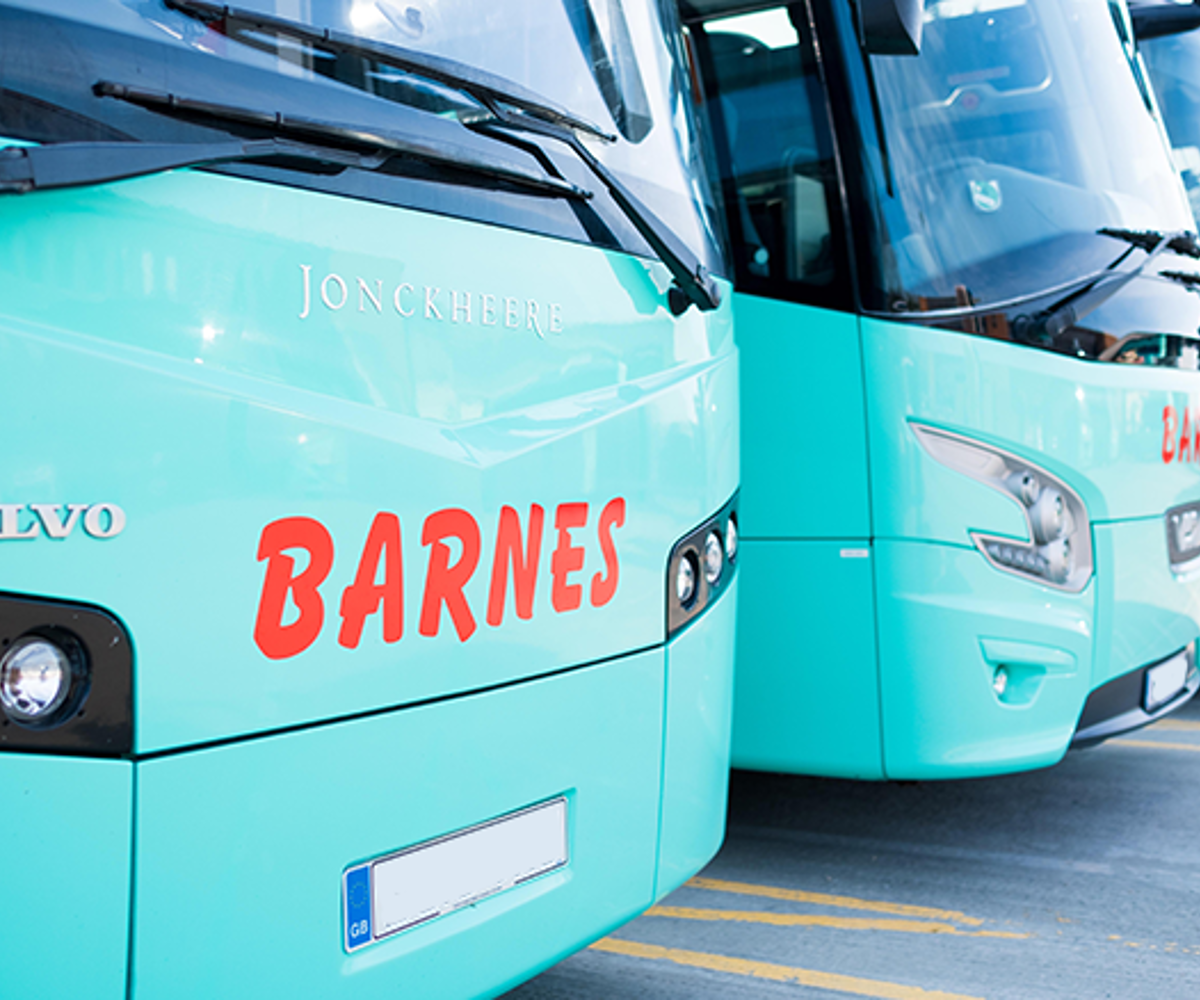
(230, 857)
(1075, 663)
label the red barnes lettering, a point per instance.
(567, 558)
(364, 596)
(1168, 442)
(444, 583)
(524, 566)
(604, 585)
(276, 640)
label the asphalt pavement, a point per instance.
(1078, 881)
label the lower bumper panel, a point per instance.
(242, 849)
(1120, 705)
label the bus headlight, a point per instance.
(1058, 552)
(39, 677)
(714, 558)
(685, 580)
(701, 566)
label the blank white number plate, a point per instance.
(443, 875)
(1165, 681)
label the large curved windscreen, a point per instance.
(609, 62)
(1021, 129)
(1174, 65)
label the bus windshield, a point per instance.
(613, 64)
(1174, 64)
(1021, 129)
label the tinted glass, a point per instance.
(603, 60)
(1021, 129)
(1174, 64)
(766, 100)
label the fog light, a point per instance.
(685, 579)
(35, 679)
(714, 558)
(1000, 681)
(731, 540)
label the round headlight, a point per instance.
(714, 557)
(685, 579)
(1049, 516)
(35, 679)
(1024, 485)
(731, 539)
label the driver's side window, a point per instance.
(766, 103)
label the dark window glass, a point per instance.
(766, 101)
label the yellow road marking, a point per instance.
(778, 973)
(821, 920)
(1157, 744)
(1179, 725)
(844, 902)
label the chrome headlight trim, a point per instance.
(1058, 550)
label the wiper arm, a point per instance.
(483, 86)
(24, 169)
(1054, 322)
(511, 107)
(693, 283)
(332, 137)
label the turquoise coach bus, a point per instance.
(970, 398)
(368, 515)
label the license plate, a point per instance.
(416, 885)
(1165, 681)
(1183, 537)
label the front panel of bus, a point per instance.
(354, 469)
(969, 362)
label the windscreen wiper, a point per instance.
(480, 84)
(66, 164)
(512, 108)
(1054, 322)
(694, 285)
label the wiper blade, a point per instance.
(1181, 242)
(483, 86)
(383, 145)
(1067, 313)
(511, 107)
(24, 169)
(1189, 280)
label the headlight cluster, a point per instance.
(1058, 552)
(66, 679)
(700, 566)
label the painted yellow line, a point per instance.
(821, 920)
(778, 973)
(844, 902)
(1157, 745)
(1178, 725)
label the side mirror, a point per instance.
(1155, 20)
(892, 27)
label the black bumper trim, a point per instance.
(1116, 707)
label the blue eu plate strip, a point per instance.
(356, 895)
